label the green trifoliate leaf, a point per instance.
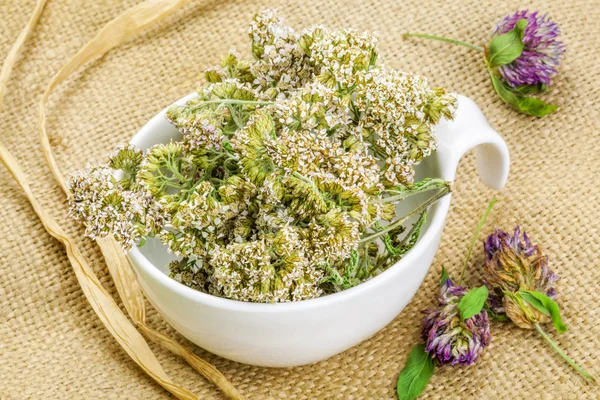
(505, 48)
(545, 305)
(529, 89)
(444, 276)
(415, 375)
(535, 107)
(472, 303)
(526, 105)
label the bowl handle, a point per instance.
(470, 129)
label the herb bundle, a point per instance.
(285, 183)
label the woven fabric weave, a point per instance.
(53, 346)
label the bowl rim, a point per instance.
(437, 214)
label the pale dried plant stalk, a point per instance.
(15, 49)
(103, 304)
(100, 300)
(120, 29)
(125, 282)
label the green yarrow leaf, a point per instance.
(415, 375)
(545, 305)
(472, 303)
(526, 105)
(505, 48)
(408, 242)
(444, 276)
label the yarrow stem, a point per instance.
(231, 101)
(553, 344)
(444, 39)
(400, 221)
(435, 184)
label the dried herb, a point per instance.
(521, 58)
(522, 287)
(455, 332)
(288, 173)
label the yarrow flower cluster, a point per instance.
(285, 183)
(111, 206)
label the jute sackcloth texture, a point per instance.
(52, 346)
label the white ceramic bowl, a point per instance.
(291, 334)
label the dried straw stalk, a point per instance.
(116, 31)
(15, 49)
(103, 304)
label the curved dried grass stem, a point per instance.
(118, 30)
(14, 51)
(103, 304)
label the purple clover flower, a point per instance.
(513, 263)
(541, 54)
(447, 337)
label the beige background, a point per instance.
(53, 346)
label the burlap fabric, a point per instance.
(52, 346)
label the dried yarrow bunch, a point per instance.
(285, 183)
(522, 58)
